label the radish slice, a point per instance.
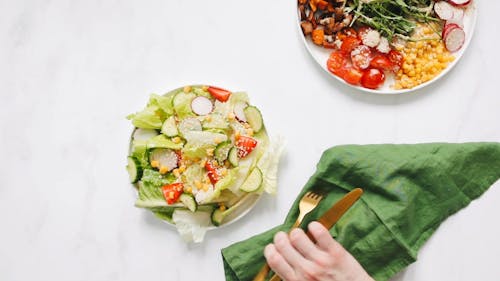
(459, 3)
(239, 111)
(458, 17)
(201, 105)
(454, 38)
(444, 10)
(166, 158)
(447, 28)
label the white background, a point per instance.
(70, 71)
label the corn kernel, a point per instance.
(187, 89)
(176, 173)
(205, 187)
(188, 189)
(231, 116)
(222, 207)
(197, 183)
(210, 151)
(155, 164)
(182, 168)
(163, 170)
(176, 140)
(223, 172)
(204, 88)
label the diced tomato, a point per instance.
(172, 192)
(396, 58)
(212, 172)
(336, 60)
(349, 43)
(245, 145)
(361, 56)
(381, 62)
(372, 78)
(353, 76)
(219, 93)
(350, 32)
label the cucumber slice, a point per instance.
(253, 181)
(233, 156)
(217, 217)
(134, 169)
(169, 127)
(189, 124)
(222, 151)
(254, 118)
(215, 121)
(188, 201)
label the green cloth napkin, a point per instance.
(409, 191)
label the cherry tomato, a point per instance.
(245, 145)
(219, 93)
(349, 43)
(336, 63)
(372, 78)
(212, 172)
(396, 58)
(361, 57)
(336, 60)
(172, 192)
(353, 76)
(381, 62)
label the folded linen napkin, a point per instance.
(409, 191)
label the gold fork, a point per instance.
(307, 203)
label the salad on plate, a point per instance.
(200, 157)
(386, 45)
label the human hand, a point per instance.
(295, 257)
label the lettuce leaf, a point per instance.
(192, 226)
(150, 193)
(269, 164)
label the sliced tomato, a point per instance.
(336, 63)
(349, 43)
(381, 62)
(245, 145)
(336, 60)
(212, 172)
(353, 76)
(219, 93)
(372, 78)
(172, 192)
(361, 57)
(396, 58)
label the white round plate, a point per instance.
(250, 201)
(320, 55)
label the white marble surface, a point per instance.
(70, 71)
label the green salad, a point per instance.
(199, 153)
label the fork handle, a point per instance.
(261, 276)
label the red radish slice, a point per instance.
(454, 39)
(459, 3)
(458, 17)
(201, 105)
(444, 10)
(447, 28)
(239, 111)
